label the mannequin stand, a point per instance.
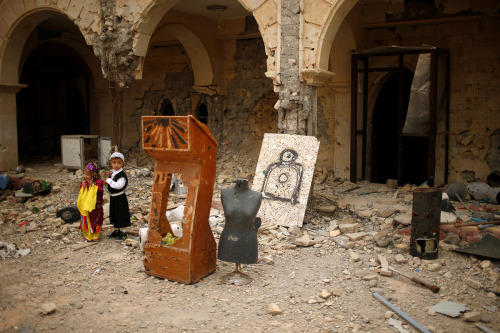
(237, 278)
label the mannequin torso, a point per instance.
(238, 241)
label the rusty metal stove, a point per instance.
(425, 223)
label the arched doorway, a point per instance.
(414, 139)
(202, 113)
(56, 101)
(166, 108)
(385, 129)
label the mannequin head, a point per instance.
(241, 183)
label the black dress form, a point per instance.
(238, 241)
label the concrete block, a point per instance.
(85, 19)
(311, 35)
(10, 16)
(18, 7)
(482, 52)
(270, 36)
(252, 5)
(63, 4)
(348, 228)
(140, 44)
(316, 11)
(266, 14)
(29, 4)
(96, 26)
(143, 3)
(74, 9)
(356, 236)
(472, 316)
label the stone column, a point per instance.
(8, 125)
(297, 105)
(291, 119)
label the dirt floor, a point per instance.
(325, 285)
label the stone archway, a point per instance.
(265, 13)
(321, 23)
(14, 52)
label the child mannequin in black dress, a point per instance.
(119, 214)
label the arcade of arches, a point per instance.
(82, 67)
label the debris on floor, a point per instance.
(319, 276)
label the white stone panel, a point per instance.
(284, 174)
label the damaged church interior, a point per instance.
(344, 155)
(342, 71)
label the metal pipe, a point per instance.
(400, 313)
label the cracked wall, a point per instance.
(113, 45)
(237, 120)
(475, 84)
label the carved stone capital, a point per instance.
(11, 87)
(316, 77)
(208, 90)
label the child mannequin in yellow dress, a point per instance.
(90, 199)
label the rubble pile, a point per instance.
(317, 278)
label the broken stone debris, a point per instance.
(451, 309)
(48, 308)
(314, 236)
(274, 309)
(11, 251)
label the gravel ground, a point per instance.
(323, 285)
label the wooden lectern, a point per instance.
(180, 145)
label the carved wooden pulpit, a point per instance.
(180, 145)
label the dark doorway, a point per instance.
(379, 148)
(202, 113)
(55, 102)
(167, 109)
(386, 131)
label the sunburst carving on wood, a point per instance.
(165, 132)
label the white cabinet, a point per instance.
(76, 149)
